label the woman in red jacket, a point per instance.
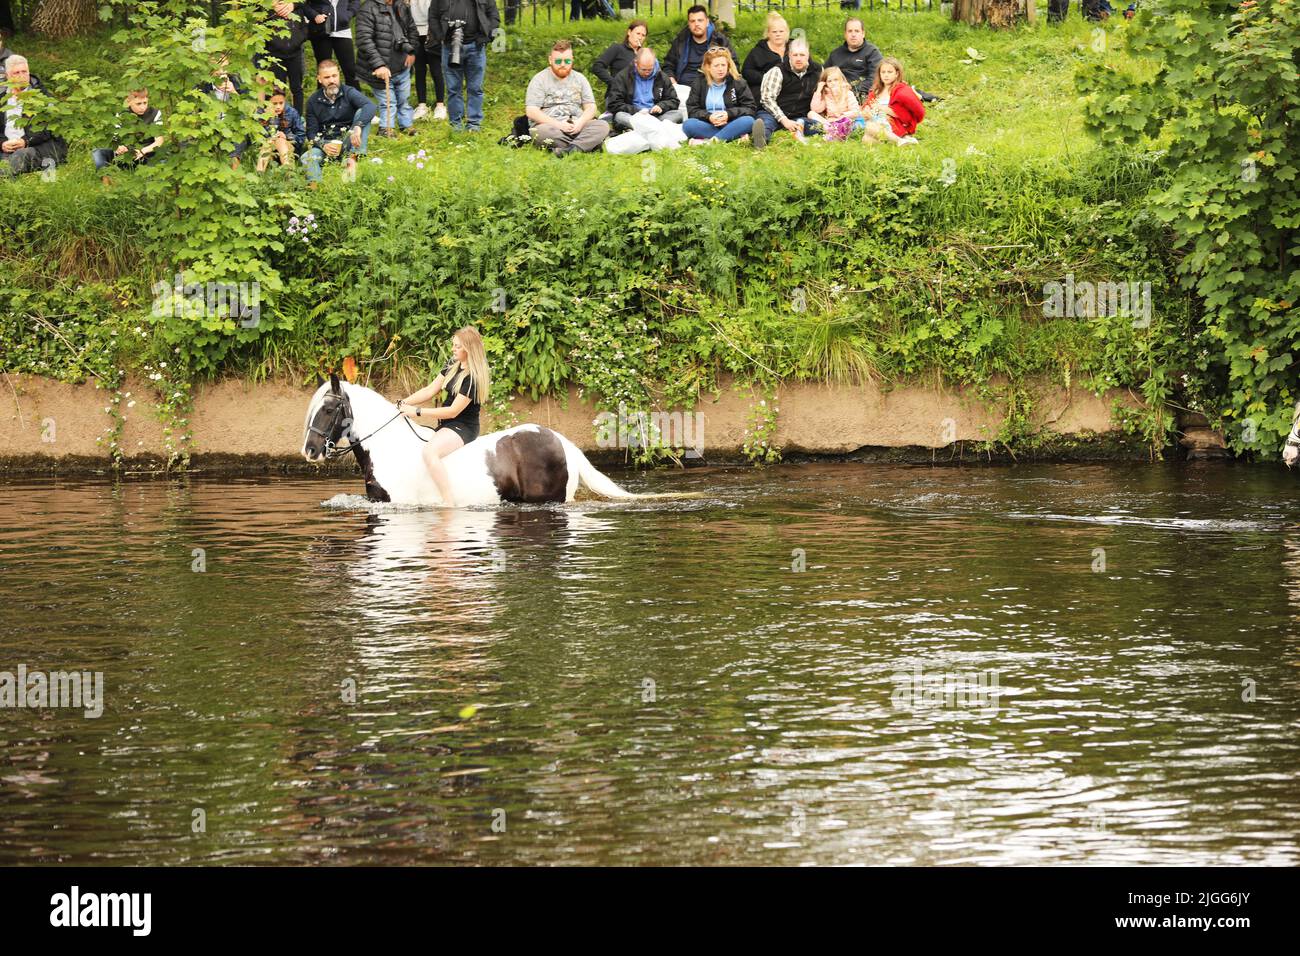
(892, 109)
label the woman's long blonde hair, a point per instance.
(476, 363)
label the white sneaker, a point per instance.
(440, 112)
(375, 121)
(908, 141)
(421, 112)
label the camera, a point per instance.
(457, 38)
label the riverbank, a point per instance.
(242, 427)
(801, 267)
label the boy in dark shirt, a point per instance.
(136, 136)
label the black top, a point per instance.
(859, 66)
(757, 63)
(616, 58)
(466, 387)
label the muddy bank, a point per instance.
(237, 427)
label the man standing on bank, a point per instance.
(386, 39)
(464, 28)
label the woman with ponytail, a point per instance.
(465, 382)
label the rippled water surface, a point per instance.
(656, 682)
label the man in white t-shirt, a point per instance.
(561, 107)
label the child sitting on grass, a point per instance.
(135, 136)
(834, 107)
(892, 109)
(285, 133)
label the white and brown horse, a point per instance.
(527, 463)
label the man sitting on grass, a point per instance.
(135, 136)
(643, 89)
(788, 90)
(338, 123)
(26, 149)
(857, 58)
(561, 108)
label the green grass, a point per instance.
(667, 270)
(1017, 104)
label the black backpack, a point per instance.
(520, 135)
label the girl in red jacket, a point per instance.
(892, 108)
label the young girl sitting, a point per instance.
(892, 109)
(834, 108)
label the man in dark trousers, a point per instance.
(788, 90)
(857, 59)
(464, 28)
(25, 148)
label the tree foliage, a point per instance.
(1216, 88)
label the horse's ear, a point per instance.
(334, 383)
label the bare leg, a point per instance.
(443, 442)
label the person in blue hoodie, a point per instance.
(688, 49)
(643, 88)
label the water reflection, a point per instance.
(707, 680)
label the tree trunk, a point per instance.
(996, 13)
(60, 19)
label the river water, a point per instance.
(819, 663)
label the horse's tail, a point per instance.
(600, 484)
(596, 481)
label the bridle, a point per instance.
(340, 427)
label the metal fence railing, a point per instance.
(524, 12)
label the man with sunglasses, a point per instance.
(561, 108)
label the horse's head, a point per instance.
(329, 420)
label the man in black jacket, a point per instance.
(464, 28)
(25, 148)
(338, 122)
(682, 63)
(283, 56)
(857, 59)
(643, 88)
(386, 38)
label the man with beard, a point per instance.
(24, 148)
(338, 123)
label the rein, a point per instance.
(332, 450)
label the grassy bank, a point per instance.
(643, 278)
